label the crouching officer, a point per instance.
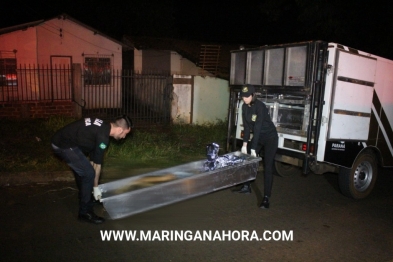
(88, 137)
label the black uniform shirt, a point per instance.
(91, 135)
(256, 119)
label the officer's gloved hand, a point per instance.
(97, 193)
(253, 153)
(244, 149)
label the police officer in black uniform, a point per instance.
(256, 119)
(82, 138)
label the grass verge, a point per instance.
(25, 145)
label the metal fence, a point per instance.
(145, 97)
(31, 83)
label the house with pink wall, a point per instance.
(30, 53)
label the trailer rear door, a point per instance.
(352, 96)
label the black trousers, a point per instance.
(85, 175)
(269, 143)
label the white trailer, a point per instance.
(332, 106)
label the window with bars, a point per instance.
(97, 70)
(8, 76)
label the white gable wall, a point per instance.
(138, 60)
(188, 67)
(182, 66)
(24, 42)
(176, 65)
(63, 37)
(59, 37)
(179, 65)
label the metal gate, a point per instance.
(145, 98)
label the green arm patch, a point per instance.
(102, 146)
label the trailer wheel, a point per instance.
(358, 182)
(285, 170)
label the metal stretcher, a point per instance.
(128, 196)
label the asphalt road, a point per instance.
(318, 223)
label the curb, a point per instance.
(23, 178)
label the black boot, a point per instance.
(265, 203)
(91, 217)
(245, 189)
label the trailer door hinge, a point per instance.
(329, 69)
(324, 120)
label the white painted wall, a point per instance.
(59, 37)
(62, 39)
(211, 100)
(176, 66)
(182, 101)
(182, 66)
(188, 67)
(179, 64)
(65, 37)
(137, 60)
(25, 44)
(204, 101)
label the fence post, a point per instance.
(77, 89)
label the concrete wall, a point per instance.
(181, 107)
(199, 100)
(211, 99)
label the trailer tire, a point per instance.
(358, 182)
(285, 170)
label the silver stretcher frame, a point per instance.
(191, 181)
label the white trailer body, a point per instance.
(332, 106)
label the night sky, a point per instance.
(364, 25)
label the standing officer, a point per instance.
(256, 119)
(82, 138)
